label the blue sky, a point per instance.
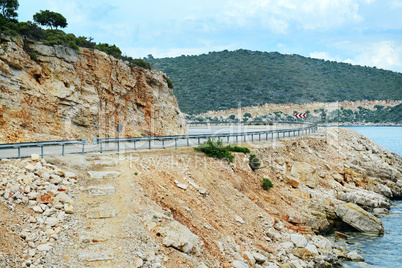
(364, 32)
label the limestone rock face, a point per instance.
(359, 218)
(305, 173)
(69, 95)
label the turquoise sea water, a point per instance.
(383, 251)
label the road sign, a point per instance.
(300, 115)
(119, 128)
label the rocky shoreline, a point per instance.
(169, 208)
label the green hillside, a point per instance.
(223, 80)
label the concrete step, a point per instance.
(103, 174)
(101, 190)
(101, 214)
(96, 256)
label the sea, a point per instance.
(386, 250)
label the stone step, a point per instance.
(105, 163)
(101, 190)
(102, 256)
(101, 214)
(91, 238)
(103, 174)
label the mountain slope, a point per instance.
(223, 80)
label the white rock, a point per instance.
(287, 245)
(312, 249)
(37, 209)
(353, 256)
(51, 221)
(181, 185)
(38, 166)
(239, 264)
(68, 208)
(32, 195)
(70, 175)
(64, 198)
(299, 240)
(239, 219)
(30, 168)
(35, 157)
(259, 258)
(31, 252)
(44, 247)
(178, 236)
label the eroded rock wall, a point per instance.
(68, 95)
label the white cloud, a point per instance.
(384, 54)
(303, 14)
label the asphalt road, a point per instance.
(130, 146)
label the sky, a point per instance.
(363, 32)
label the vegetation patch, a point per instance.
(216, 150)
(254, 162)
(267, 184)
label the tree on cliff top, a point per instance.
(50, 19)
(8, 9)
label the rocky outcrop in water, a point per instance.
(65, 94)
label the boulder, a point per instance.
(299, 240)
(358, 218)
(305, 173)
(353, 256)
(178, 236)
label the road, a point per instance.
(131, 146)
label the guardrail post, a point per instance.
(100, 146)
(259, 137)
(83, 148)
(41, 151)
(244, 137)
(135, 146)
(149, 144)
(198, 141)
(266, 136)
(228, 138)
(62, 149)
(188, 142)
(237, 138)
(163, 144)
(175, 143)
(19, 152)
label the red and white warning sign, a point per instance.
(300, 115)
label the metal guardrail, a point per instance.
(42, 144)
(272, 134)
(243, 122)
(306, 130)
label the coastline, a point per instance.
(193, 210)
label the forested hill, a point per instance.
(227, 79)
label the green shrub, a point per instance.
(169, 82)
(238, 149)
(267, 184)
(254, 162)
(215, 149)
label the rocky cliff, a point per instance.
(182, 209)
(64, 94)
